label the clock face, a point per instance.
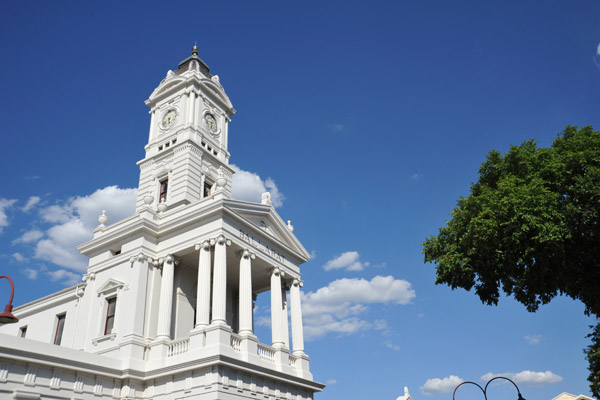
(169, 119)
(211, 123)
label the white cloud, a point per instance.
(68, 278)
(18, 257)
(4, 204)
(32, 202)
(416, 177)
(336, 127)
(75, 221)
(56, 213)
(263, 320)
(29, 237)
(30, 273)
(249, 186)
(331, 381)
(598, 50)
(527, 378)
(348, 261)
(335, 308)
(534, 339)
(392, 346)
(436, 386)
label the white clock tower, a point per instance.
(186, 156)
(165, 310)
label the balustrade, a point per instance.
(265, 352)
(236, 342)
(178, 347)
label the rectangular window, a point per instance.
(207, 188)
(110, 315)
(23, 331)
(162, 195)
(60, 325)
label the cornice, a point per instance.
(182, 82)
(51, 300)
(115, 232)
(34, 352)
(179, 218)
(30, 353)
(222, 360)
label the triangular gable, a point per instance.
(265, 218)
(109, 286)
(569, 396)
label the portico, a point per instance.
(229, 274)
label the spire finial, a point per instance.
(195, 50)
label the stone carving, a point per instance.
(406, 396)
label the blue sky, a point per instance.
(369, 119)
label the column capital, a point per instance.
(169, 259)
(297, 282)
(277, 272)
(221, 239)
(246, 254)
(141, 257)
(205, 245)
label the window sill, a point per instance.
(110, 336)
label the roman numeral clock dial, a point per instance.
(211, 123)
(168, 119)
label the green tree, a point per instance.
(531, 228)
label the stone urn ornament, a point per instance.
(162, 207)
(148, 199)
(102, 219)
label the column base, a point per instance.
(249, 348)
(198, 337)
(159, 349)
(302, 365)
(132, 347)
(218, 335)
(282, 358)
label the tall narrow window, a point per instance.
(110, 315)
(207, 188)
(23, 331)
(162, 196)
(60, 324)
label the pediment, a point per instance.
(217, 90)
(170, 82)
(111, 285)
(264, 218)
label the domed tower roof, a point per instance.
(193, 62)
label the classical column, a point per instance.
(166, 298)
(297, 328)
(276, 306)
(219, 300)
(203, 291)
(245, 311)
(285, 329)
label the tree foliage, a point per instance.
(592, 354)
(530, 227)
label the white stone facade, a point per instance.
(165, 308)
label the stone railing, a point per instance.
(236, 342)
(292, 361)
(178, 347)
(265, 352)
